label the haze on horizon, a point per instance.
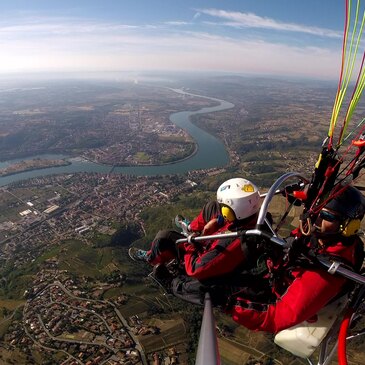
(281, 37)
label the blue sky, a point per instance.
(267, 37)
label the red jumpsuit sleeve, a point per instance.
(198, 223)
(309, 292)
(209, 211)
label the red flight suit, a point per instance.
(305, 293)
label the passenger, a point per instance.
(236, 208)
(300, 289)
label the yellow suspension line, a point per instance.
(359, 87)
(341, 82)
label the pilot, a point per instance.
(300, 291)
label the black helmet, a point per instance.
(350, 204)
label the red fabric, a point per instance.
(305, 296)
(198, 223)
(219, 257)
(162, 257)
(195, 265)
(214, 261)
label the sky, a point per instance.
(298, 38)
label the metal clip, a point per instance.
(334, 266)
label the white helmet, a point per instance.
(241, 196)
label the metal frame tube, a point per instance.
(334, 267)
(274, 190)
(208, 352)
(251, 232)
(209, 237)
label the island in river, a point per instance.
(34, 164)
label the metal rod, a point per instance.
(335, 267)
(279, 191)
(208, 352)
(250, 232)
(355, 335)
(331, 354)
(272, 191)
(210, 237)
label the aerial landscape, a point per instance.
(96, 158)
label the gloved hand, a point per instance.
(182, 223)
(191, 246)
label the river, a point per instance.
(211, 152)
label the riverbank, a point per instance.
(30, 165)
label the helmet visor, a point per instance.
(329, 217)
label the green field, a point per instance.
(173, 331)
(142, 157)
(113, 293)
(82, 259)
(11, 304)
(77, 257)
(231, 354)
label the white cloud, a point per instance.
(176, 22)
(250, 20)
(196, 15)
(57, 27)
(75, 45)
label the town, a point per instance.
(66, 314)
(43, 211)
(59, 317)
